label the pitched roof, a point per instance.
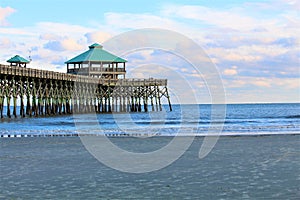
(96, 54)
(17, 59)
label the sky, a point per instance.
(254, 45)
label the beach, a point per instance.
(244, 167)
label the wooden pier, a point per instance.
(32, 92)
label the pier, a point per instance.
(34, 92)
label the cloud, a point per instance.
(6, 43)
(46, 39)
(250, 53)
(61, 29)
(231, 72)
(4, 13)
(97, 37)
(274, 5)
(293, 3)
(49, 36)
(64, 45)
(229, 19)
(136, 21)
(261, 82)
(236, 54)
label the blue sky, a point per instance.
(254, 44)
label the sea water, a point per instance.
(257, 156)
(190, 119)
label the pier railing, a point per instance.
(45, 74)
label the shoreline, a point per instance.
(263, 134)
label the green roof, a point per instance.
(96, 54)
(17, 59)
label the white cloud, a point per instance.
(61, 29)
(292, 4)
(49, 36)
(229, 19)
(97, 37)
(275, 5)
(250, 53)
(4, 13)
(18, 32)
(263, 82)
(135, 21)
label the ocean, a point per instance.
(257, 155)
(240, 119)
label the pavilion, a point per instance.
(18, 61)
(97, 62)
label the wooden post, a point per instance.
(113, 103)
(128, 104)
(15, 106)
(39, 102)
(53, 105)
(124, 107)
(152, 105)
(169, 101)
(132, 104)
(145, 104)
(158, 96)
(156, 101)
(34, 106)
(109, 104)
(22, 114)
(59, 105)
(139, 104)
(1, 105)
(99, 105)
(28, 106)
(74, 104)
(8, 106)
(145, 98)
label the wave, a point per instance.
(180, 122)
(145, 135)
(293, 117)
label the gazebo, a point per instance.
(97, 62)
(18, 61)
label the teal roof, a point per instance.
(96, 54)
(17, 59)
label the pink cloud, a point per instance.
(6, 43)
(66, 44)
(261, 82)
(4, 13)
(231, 72)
